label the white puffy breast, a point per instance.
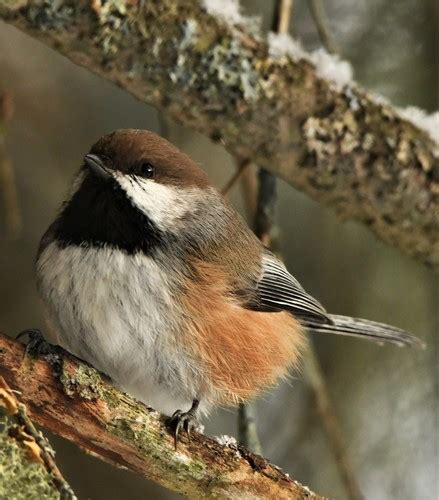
(117, 312)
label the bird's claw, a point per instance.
(183, 421)
(37, 345)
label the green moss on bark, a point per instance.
(20, 476)
(139, 433)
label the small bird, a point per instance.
(148, 274)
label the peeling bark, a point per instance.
(342, 147)
(74, 401)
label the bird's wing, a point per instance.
(278, 290)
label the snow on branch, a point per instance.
(333, 69)
(329, 67)
(74, 401)
(300, 116)
(229, 11)
(424, 121)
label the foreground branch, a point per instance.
(72, 400)
(339, 145)
(27, 465)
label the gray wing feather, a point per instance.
(369, 330)
(278, 290)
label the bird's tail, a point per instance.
(363, 328)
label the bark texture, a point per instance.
(27, 464)
(73, 400)
(339, 145)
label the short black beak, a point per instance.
(96, 164)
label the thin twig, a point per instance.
(265, 207)
(35, 443)
(282, 16)
(316, 380)
(249, 189)
(318, 13)
(7, 177)
(241, 166)
(247, 430)
(164, 126)
(263, 224)
(264, 227)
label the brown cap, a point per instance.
(126, 150)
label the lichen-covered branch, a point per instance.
(27, 464)
(217, 75)
(74, 401)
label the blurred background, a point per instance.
(386, 398)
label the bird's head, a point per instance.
(157, 178)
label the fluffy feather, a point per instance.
(241, 351)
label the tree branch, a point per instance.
(215, 75)
(74, 401)
(27, 463)
(317, 9)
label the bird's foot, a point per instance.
(185, 421)
(37, 345)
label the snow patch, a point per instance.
(379, 99)
(229, 442)
(328, 66)
(225, 440)
(331, 67)
(429, 123)
(282, 44)
(228, 11)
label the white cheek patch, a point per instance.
(164, 205)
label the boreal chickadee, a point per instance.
(148, 274)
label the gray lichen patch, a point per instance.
(220, 66)
(139, 430)
(85, 383)
(48, 15)
(355, 127)
(20, 477)
(112, 26)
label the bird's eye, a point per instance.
(147, 170)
